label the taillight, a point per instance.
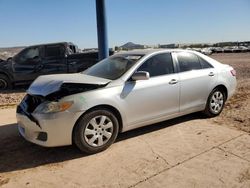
(233, 72)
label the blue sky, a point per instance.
(25, 22)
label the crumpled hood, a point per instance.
(45, 85)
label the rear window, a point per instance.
(53, 51)
(205, 64)
(72, 49)
(188, 61)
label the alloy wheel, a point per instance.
(98, 131)
(216, 102)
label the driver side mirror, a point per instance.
(140, 75)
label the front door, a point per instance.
(156, 98)
(27, 65)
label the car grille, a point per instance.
(31, 102)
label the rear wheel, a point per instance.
(96, 131)
(4, 82)
(215, 103)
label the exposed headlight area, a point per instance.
(53, 107)
(34, 119)
(36, 104)
(30, 103)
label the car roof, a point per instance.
(55, 43)
(150, 51)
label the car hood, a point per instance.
(46, 85)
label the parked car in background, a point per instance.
(123, 92)
(217, 50)
(243, 48)
(196, 49)
(206, 51)
(229, 49)
(44, 59)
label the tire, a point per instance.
(215, 103)
(95, 131)
(5, 82)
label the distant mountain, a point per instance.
(131, 45)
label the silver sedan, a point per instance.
(123, 92)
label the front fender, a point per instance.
(104, 96)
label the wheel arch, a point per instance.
(5, 74)
(223, 88)
(103, 106)
(10, 79)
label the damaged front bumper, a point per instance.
(53, 129)
(47, 130)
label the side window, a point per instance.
(158, 65)
(53, 51)
(188, 61)
(205, 64)
(73, 48)
(28, 56)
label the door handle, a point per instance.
(72, 63)
(211, 74)
(173, 81)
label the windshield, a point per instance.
(113, 67)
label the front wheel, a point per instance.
(96, 131)
(215, 103)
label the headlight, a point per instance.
(52, 107)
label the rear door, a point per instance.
(54, 59)
(81, 61)
(197, 79)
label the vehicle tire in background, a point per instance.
(215, 103)
(5, 82)
(95, 131)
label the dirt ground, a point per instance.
(237, 109)
(9, 99)
(183, 152)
